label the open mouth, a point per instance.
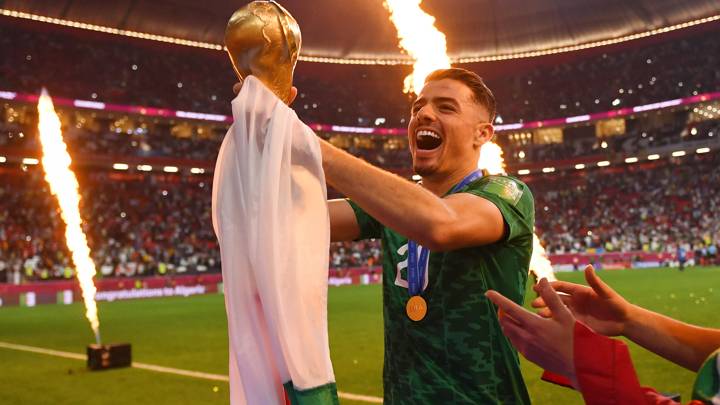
(427, 139)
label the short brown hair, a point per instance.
(481, 93)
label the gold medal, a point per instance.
(416, 308)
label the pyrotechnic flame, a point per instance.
(491, 160)
(63, 184)
(420, 39)
(539, 262)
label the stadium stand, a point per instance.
(134, 72)
(142, 225)
(136, 226)
(146, 224)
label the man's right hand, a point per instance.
(293, 91)
(597, 306)
(237, 87)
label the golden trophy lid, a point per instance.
(263, 39)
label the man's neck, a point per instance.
(441, 184)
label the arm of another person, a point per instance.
(608, 313)
(572, 354)
(682, 343)
(457, 221)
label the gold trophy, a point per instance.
(264, 40)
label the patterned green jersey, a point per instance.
(457, 354)
(707, 382)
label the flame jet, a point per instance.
(64, 186)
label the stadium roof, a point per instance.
(361, 28)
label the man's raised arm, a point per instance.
(439, 224)
(343, 224)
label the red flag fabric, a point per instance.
(605, 372)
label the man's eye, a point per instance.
(447, 107)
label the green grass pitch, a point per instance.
(190, 333)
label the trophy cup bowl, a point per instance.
(263, 40)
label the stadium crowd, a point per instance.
(137, 225)
(137, 72)
(140, 224)
(158, 142)
(201, 143)
(649, 207)
(641, 134)
(147, 224)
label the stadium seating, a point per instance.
(134, 72)
(159, 224)
(142, 224)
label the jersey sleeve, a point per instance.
(515, 202)
(370, 228)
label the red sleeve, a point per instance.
(605, 372)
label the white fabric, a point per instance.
(270, 216)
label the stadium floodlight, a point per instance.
(678, 153)
(120, 166)
(548, 169)
(30, 161)
(170, 169)
(523, 172)
(580, 166)
(603, 163)
(3, 159)
(197, 170)
(631, 160)
(144, 168)
(698, 151)
(653, 157)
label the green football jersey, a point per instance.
(457, 354)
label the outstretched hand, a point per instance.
(598, 306)
(547, 342)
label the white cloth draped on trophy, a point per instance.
(270, 215)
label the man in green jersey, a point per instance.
(445, 346)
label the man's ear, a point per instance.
(484, 132)
(293, 94)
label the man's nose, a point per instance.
(426, 114)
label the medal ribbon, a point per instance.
(417, 266)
